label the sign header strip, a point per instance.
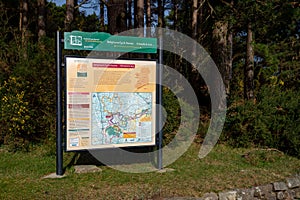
(101, 41)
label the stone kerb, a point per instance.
(288, 189)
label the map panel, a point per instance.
(122, 117)
(110, 103)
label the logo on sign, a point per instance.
(76, 40)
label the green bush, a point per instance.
(172, 109)
(270, 122)
(28, 101)
(16, 122)
(179, 113)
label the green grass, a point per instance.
(223, 169)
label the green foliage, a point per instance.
(28, 100)
(55, 19)
(179, 113)
(172, 108)
(272, 121)
(16, 121)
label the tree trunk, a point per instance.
(41, 19)
(130, 14)
(229, 61)
(21, 16)
(175, 17)
(200, 20)
(194, 19)
(24, 20)
(139, 13)
(24, 25)
(222, 51)
(148, 22)
(69, 15)
(249, 66)
(101, 16)
(116, 16)
(139, 21)
(160, 11)
(148, 18)
(229, 56)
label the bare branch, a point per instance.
(83, 2)
(228, 4)
(104, 2)
(211, 8)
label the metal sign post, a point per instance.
(59, 149)
(160, 133)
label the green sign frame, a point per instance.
(101, 41)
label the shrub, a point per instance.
(271, 121)
(179, 113)
(16, 117)
(28, 101)
(172, 118)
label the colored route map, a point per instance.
(110, 103)
(121, 117)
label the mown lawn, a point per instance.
(21, 175)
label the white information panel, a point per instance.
(110, 103)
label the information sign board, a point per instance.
(110, 103)
(101, 41)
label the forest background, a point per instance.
(255, 44)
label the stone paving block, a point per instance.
(79, 169)
(270, 196)
(231, 195)
(291, 193)
(183, 198)
(210, 196)
(54, 176)
(266, 190)
(279, 186)
(245, 194)
(287, 195)
(293, 182)
(257, 192)
(280, 195)
(297, 193)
